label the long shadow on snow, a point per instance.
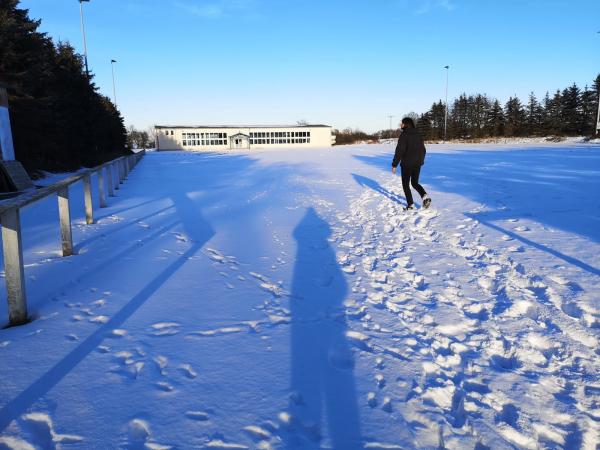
(210, 177)
(545, 248)
(198, 229)
(533, 176)
(322, 361)
(82, 244)
(213, 179)
(370, 183)
(539, 183)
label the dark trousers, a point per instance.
(410, 176)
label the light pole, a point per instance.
(87, 70)
(391, 117)
(112, 65)
(446, 108)
(598, 117)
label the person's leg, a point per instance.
(405, 173)
(415, 182)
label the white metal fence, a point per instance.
(110, 175)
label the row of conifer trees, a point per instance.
(570, 112)
(59, 119)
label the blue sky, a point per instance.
(345, 63)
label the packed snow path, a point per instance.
(283, 300)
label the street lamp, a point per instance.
(87, 70)
(112, 65)
(446, 112)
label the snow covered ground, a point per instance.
(283, 300)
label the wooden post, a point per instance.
(109, 181)
(87, 194)
(101, 189)
(13, 266)
(64, 213)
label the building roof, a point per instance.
(238, 126)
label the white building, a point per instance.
(242, 137)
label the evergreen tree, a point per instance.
(424, 126)
(480, 110)
(438, 118)
(459, 118)
(589, 100)
(59, 120)
(534, 113)
(553, 111)
(572, 111)
(515, 117)
(495, 121)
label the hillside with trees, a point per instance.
(59, 119)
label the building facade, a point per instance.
(206, 138)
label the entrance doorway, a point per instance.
(240, 141)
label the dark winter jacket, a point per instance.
(410, 151)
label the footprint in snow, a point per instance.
(164, 386)
(139, 437)
(117, 333)
(257, 433)
(217, 332)
(165, 329)
(41, 427)
(199, 416)
(161, 362)
(188, 371)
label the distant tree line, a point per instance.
(59, 119)
(570, 112)
(350, 136)
(139, 139)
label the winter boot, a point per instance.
(426, 201)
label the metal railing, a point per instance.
(110, 176)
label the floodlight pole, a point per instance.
(446, 108)
(85, 55)
(112, 65)
(598, 117)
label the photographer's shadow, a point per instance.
(322, 363)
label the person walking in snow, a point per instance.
(410, 154)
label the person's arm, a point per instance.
(400, 151)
